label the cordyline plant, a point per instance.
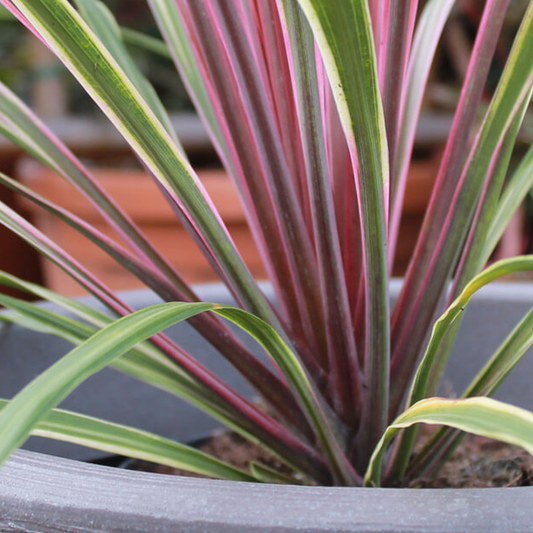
(312, 106)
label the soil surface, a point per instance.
(477, 463)
(480, 462)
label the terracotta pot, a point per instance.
(48, 494)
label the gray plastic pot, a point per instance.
(51, 494)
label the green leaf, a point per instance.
(53, 385)
(481, 416)
(485, 383)
(105, 346)
(444, 329)
(131, 442)
(441, 326)
(145, 362)
(506, 357)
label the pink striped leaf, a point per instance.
(243, 98)
(396, 50)
(343, 364)
(343, 33)
(513, 88)
(276, 53)
(207, 92)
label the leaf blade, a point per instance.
(444, 330)
(118, 439)
(481, 416)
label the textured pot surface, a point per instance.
(49, 494)
(41, 493)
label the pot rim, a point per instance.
(63, 491)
